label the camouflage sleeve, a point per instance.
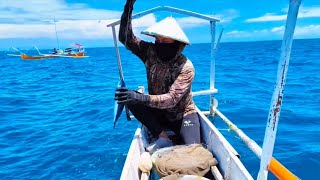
(179, 88)
(126, 36)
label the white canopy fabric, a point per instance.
(168, 28)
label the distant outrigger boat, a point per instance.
(229, 164)
(67, 53)
(70, 52)
(58, 53)
(24, 56)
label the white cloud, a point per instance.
(304, 12)
(267, 17)
(36, 11)
(190, 22)
(144, 21)
(67, 29)
(34, 19)
(225, 16)
(310, 31)
(228, 15)
(279, 29)
(235, 34)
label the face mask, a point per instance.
(167, 51)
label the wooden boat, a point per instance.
(71, 53)
(23, 56)
(229, 165)
(26, 57)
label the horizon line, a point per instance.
(223, 42)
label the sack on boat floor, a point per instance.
(183, 160)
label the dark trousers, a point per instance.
(154, 119)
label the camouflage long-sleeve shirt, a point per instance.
(169, 83)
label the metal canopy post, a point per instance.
(275, 106)
(212, 63)
(214, 49)
(213, 54)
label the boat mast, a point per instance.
(55, 27)
(275, 107)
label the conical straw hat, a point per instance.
(168, 28)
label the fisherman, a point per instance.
(169, 104)
(55, 51)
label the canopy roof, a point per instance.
(170, 9)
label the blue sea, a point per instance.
(56, 115)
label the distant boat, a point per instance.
(78, 52)
(75, 51)
(26, 56)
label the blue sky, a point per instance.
(24, 24)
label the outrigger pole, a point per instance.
(275, 107)
(275, 166)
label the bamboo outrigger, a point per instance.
(229, 164)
